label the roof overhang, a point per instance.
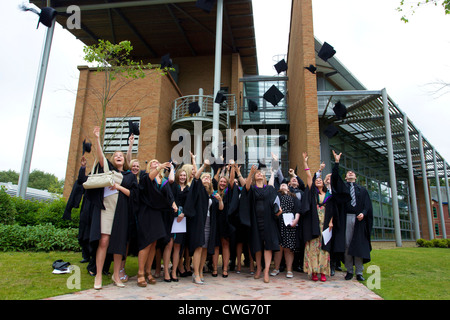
(158, 27)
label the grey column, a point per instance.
(393, 180)
(217, 75)
(34, 116)
(425, 187)
(438, 191)
(412, 187)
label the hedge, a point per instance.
(38, 238)
(435, 243)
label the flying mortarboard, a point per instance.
(282, 140)
(166, 62)
(205, 5)
(311, 68)
(220, 97)
(194, 107)
(340, 110)
(331, 131)
(261, 165)
(326, 52)
(281, 66)
(252, 106)
(86, 146)
(133, 128)
(273, 95)
(46, 16)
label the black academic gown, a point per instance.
(75, 195)
(248, 216)
(180, 197)
(226, 229)
(196, 209)
(154, 202)
(360, 245)
(119, 232)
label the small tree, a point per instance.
(119, 70)
(416, 4)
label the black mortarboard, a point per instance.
(311, 68)
(340, 110)
(252, 106)
(220, 97)
(194, 107)
(326, 52)
(261, 165)
(133, 128)
(281, 66)
(46, 15)
(166, 62)
(86, 146)
(273, 95)
(282, 140)
(331, 131)
(205, 5)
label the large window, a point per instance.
(117, 133)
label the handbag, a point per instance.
(97, 180)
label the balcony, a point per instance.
(181, 118)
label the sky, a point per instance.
(370, 40)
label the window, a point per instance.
(436, 229)
(435, 212)
(116, 135)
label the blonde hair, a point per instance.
(185, 168)
(221, 192)
(131, 166)
(209, 189)
(161, 171)
(126, 166)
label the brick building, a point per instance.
(378, 141)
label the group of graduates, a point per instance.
(222, 213)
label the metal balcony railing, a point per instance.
(180, 112)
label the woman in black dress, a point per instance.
(201, 209)
(155, 199)
(258, 210)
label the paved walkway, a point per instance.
(236, 287)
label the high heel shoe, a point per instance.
(149, 278)
(225, 274)
(173, 279)
(141, 283)
(194, 279)
(118, 284)
(97, 286)
(214, 273)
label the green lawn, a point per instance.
(412, 273)
(406, 274)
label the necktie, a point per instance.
(352, 193)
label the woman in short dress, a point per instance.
(109, 228)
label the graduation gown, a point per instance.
(248, 216)
(154, 202)
(75, 195)
(226, 229)
(180, 200)
(196, 210)
(360, 245)
(119, 232)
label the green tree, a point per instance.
(412, 6)
(119, 70)
(9, 176)
(45, 181)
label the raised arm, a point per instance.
(99, 151)
(248, 183)
(130, 147)
(308, 172)
(171, 173)
(239, 175)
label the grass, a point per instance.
(412, 273)
(406, 274)
(28, 275)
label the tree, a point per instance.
(416, 4)
(119, 71)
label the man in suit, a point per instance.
(357, 226)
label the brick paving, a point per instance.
(236, 287)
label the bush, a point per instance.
(27, 210)
(435, 243)
(38, 238)
(53, 212)
(8, 211)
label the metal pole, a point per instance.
(393, 181)
(425, 187)
(438, 191)
(217, 75)
(35, 108)
(447, 187)
(412, 187)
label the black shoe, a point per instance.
(349, 276)
(84, 260)
(332, 273)
(167, 280)
(359, 277)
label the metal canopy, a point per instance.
(158, 27)
(364, 129)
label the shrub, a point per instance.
(435, 243)
(53, 212)
(27, 210)
(8, 211)
(38, 238)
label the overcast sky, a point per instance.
(370, 40)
